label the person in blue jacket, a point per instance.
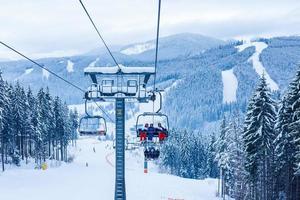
(150, 132)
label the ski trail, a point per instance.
(230, 86)
(27, 71)
(45, 74)
(258, 66)
(108, 157)
(70, 66)
(93, 64)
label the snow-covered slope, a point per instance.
(77, 182)
(45, 74)
(172, 46)
(181, 57)
(230, 86)
(258, 66)
(255, 60)
(70, 66)
(138, 48)
(93, 64)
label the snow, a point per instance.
(244, 46)
(27, 71)
(46, 74)
(230, 86)
(138, 49)
(70, 66)
(93, 64)
(76, 181)
(115, 69)
(258, 66)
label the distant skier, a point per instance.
(94, 149)
(86, 164)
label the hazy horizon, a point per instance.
(61, 28)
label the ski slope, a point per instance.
(70, 66)
(230, 86)
(255, 60)
(45, 74)
(258, 66)
(96, 182)
(138, 49)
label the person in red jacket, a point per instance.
(161, 132)
(143, 133)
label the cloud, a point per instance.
(41, 27)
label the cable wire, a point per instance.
(157, 40)
(156, 49)
(98, 32)
(56, 75)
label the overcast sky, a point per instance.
(60, 27)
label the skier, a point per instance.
(94, 149)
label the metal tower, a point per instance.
(118, 84)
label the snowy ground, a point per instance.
(77, 182)
(230, 86)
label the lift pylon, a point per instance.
(118, 84)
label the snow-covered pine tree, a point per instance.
(32, 118)
(258, 136)
(212, 165)
(293, 107)
(3, 100)
(237, 173)
(49, 120)
(74, 125)
(284, 151)
(9, 135)
(19, 106)
(222, 157)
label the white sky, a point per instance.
(60, 27)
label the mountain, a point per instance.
(36, 78)
(204, 77)
(172, 46)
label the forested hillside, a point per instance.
(197, 67)
(255, 157)
(34, 126)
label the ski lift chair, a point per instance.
(153, 118)
(92, 125)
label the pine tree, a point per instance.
(3, 101)
(222, 157)
(293, 109)
(258, 136)
(74, 125)
(19, 105)
(237, 172)
(212, 165)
